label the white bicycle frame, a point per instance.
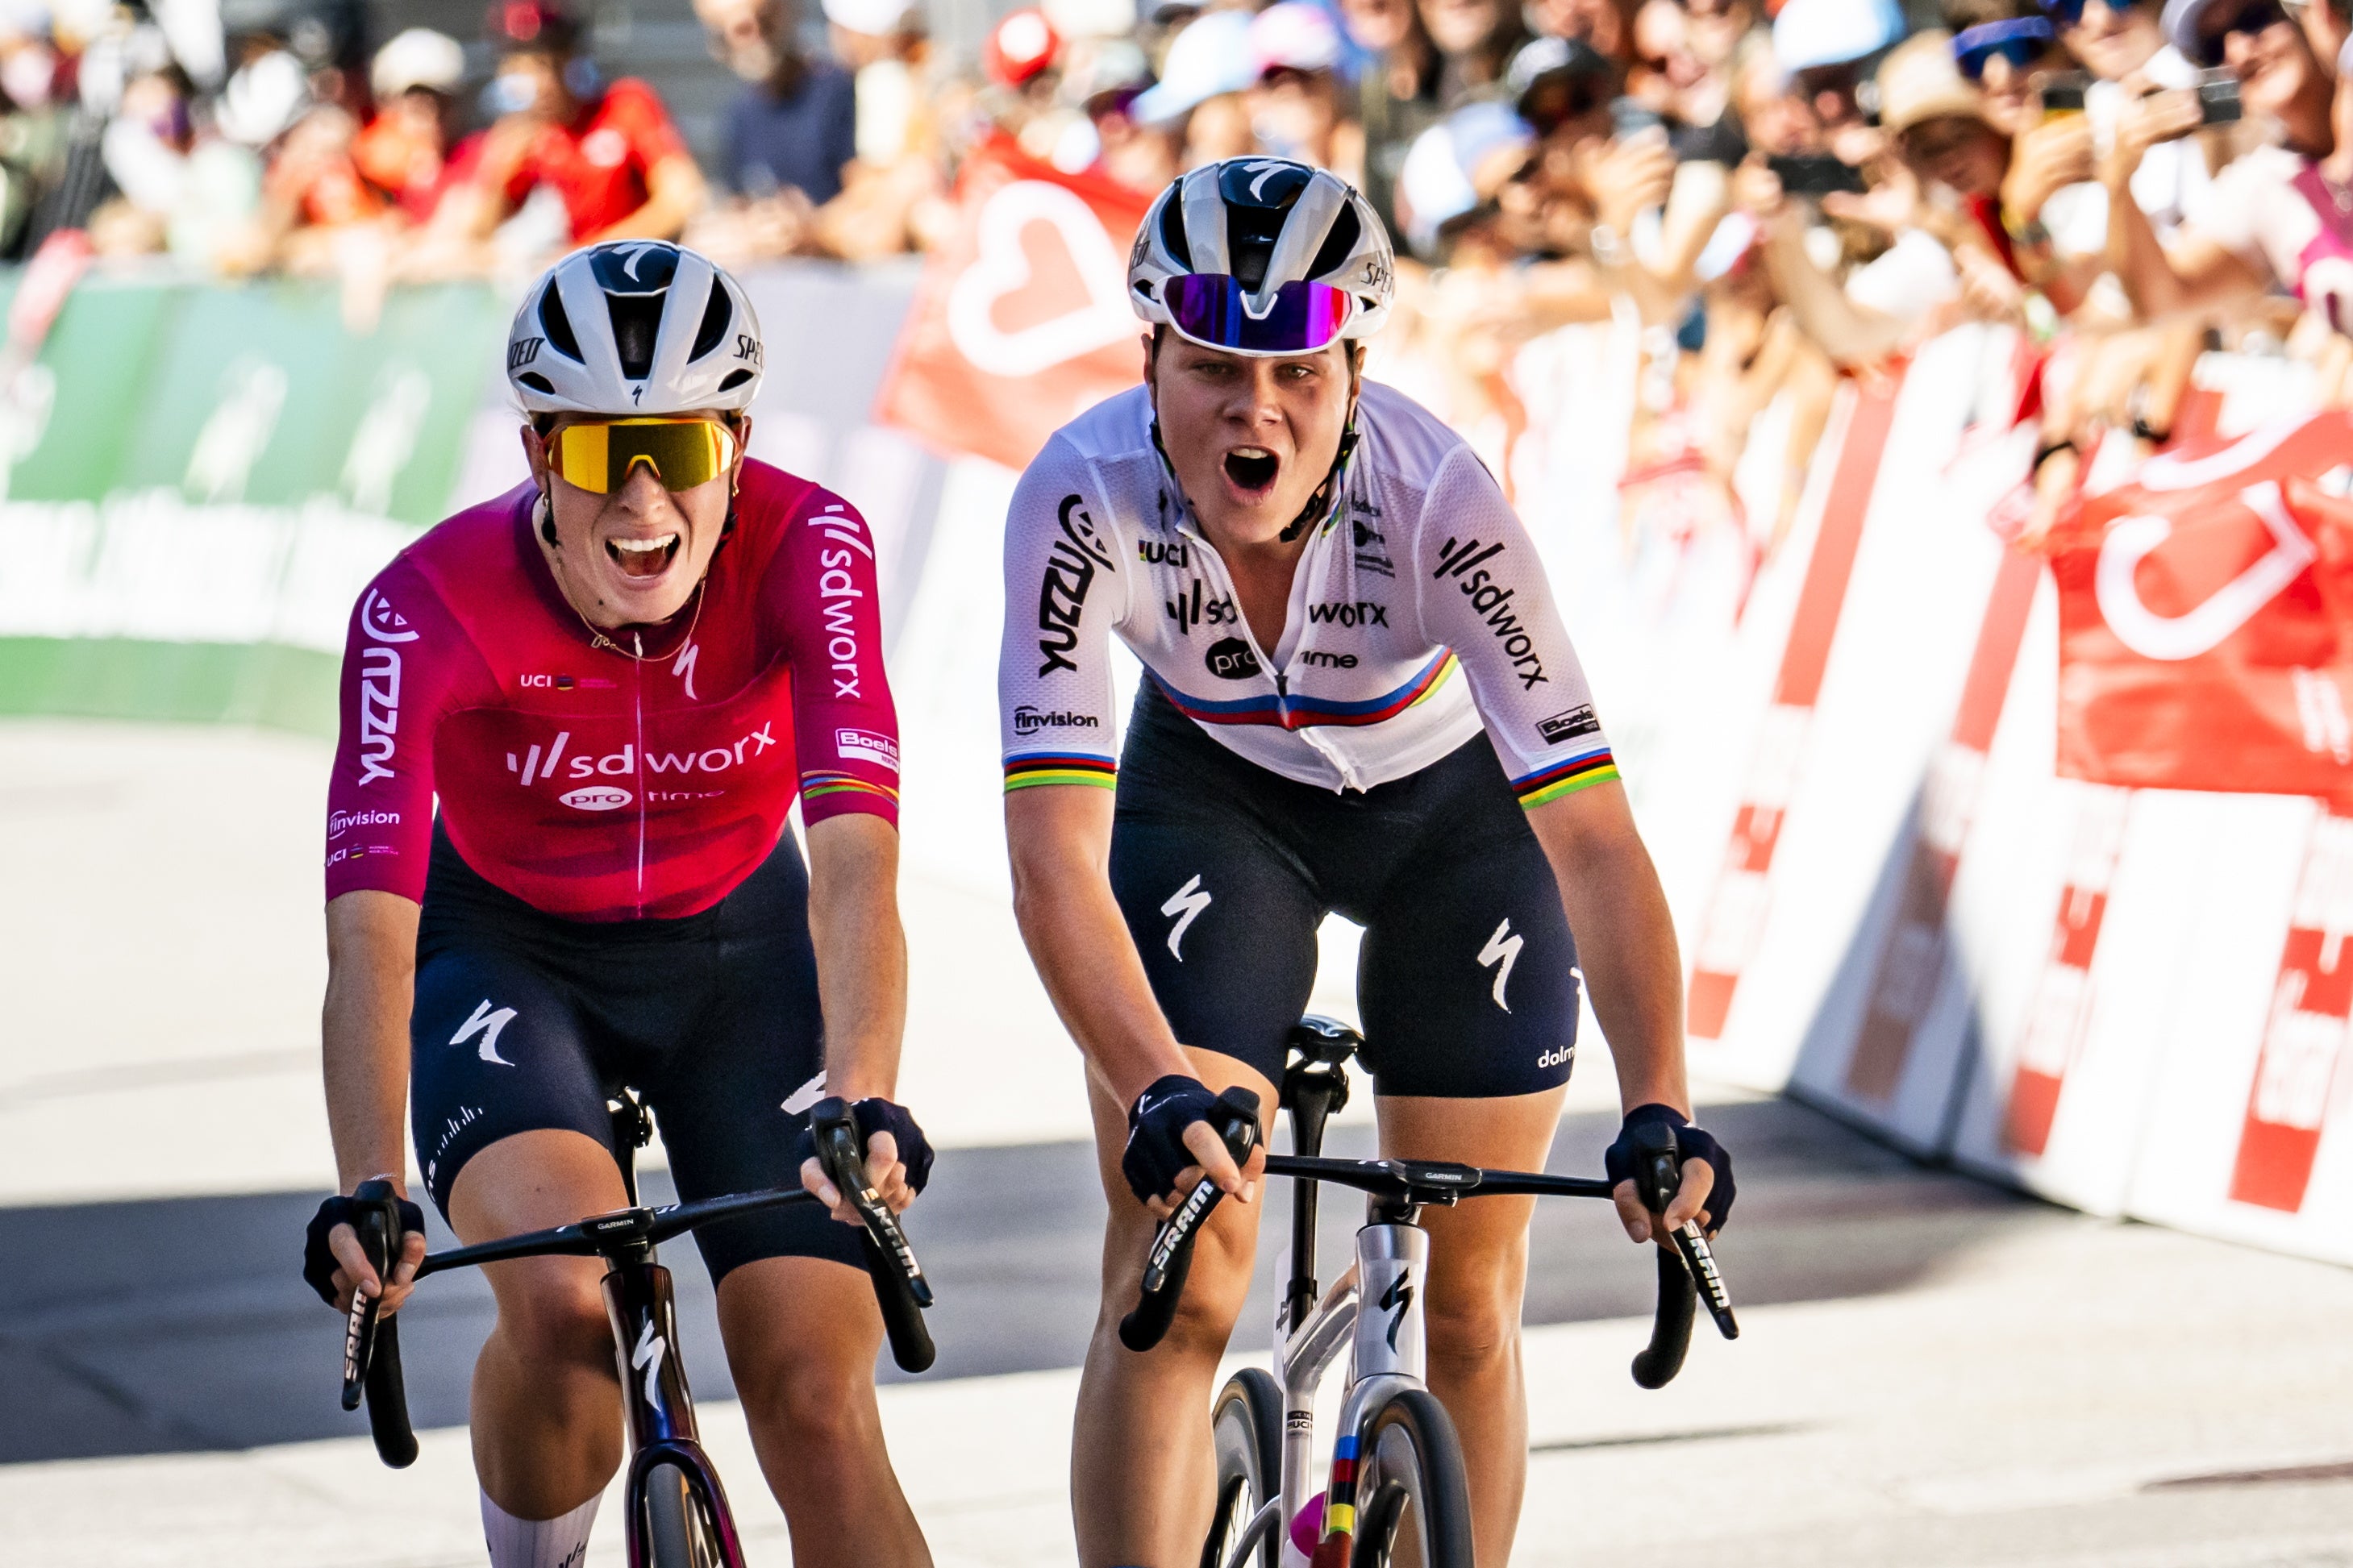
(1385, 1355)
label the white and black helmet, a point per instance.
(635, 326)
(1263, 223)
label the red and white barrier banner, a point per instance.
(1734, 923)
(1022, 321)
(2302, 1067)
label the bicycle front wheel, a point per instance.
(678, 1529)
(1413, 1506)
(1247, 1423)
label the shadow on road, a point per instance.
(179, 1325)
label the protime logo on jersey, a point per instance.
(1062, 587)
(1231, 658)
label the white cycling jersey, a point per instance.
(1419, 610)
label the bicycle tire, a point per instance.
(1410, 1479)
(679, 1531)
(1247, 1423)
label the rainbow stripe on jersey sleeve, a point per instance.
(1558, 779)
(1030, 769)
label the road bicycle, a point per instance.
(1396, 1491)
(676, 1510)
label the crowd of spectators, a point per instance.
(1771, 193)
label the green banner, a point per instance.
(196, 481)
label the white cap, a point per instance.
(417, 57)
(1811, 32)
(875, 18)
(1090, 18)
(1294, 34)
(264, 99)
(1211, 56)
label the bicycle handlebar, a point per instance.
(372, 1343)
(1235, 1120)
(1686, 1269)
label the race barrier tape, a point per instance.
(1846, 753)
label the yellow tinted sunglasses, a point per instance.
(683, 453)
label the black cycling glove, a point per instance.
(875, 1114)
(319, 1264)
(1155, 1150)
(1690, 1141)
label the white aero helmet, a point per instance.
(635, 326)
(1263, 256)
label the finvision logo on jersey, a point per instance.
(1492, 602)
(379, 685)
(1193, 609)
(1063, 585)
(341, 822)
(1361, 613)
(1029, 721)
(1156, 552)
(835, 584)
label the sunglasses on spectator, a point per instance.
(2253, 16)
(2022, 42)
(596, 455)
(2069, 13)
(1212, 310)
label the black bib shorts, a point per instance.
(1466, 979)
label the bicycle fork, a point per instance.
(662, 1429)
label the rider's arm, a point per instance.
(1065, 587)
(1481, 591)
(821, 594)
(403, 660)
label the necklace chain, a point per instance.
(598, 638)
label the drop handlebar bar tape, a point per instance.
(370, 1342)
(1234, 1114)
(900, 1290)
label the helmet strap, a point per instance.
(545, 509)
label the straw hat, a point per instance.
(1918, 81)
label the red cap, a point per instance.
(1020, 47)
(531, 24)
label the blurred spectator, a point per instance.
(1208, 66)
(793, 125)
(1397, 91)
(403, 150)
(1475, 41)
(1295, 107)
(607, 153)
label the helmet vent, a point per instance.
(1338, 245)
(637, 323)
(537, 382)
(557, 325)
(735, 378)
(1172, 233)
(716, 316)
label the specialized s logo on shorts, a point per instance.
(490, 1024)
(1491, 600)
(379, 689)
(1503, 951)
(1062, 587)
(1186, 904)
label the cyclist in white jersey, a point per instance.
(1359, 697)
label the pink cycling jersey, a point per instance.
(588, 783)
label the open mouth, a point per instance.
(1252, 467)
(643, 557)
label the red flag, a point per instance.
(1022, 321)
(2205, 639)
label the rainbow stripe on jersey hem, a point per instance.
(1034, 768)
(816, 786)
(1565, 778)
(1296, 712)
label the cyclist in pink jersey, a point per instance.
(615, 681)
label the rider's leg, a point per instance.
(547, 1404)
(801, 1335)
(1143, 1471)
(1478, 1267)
